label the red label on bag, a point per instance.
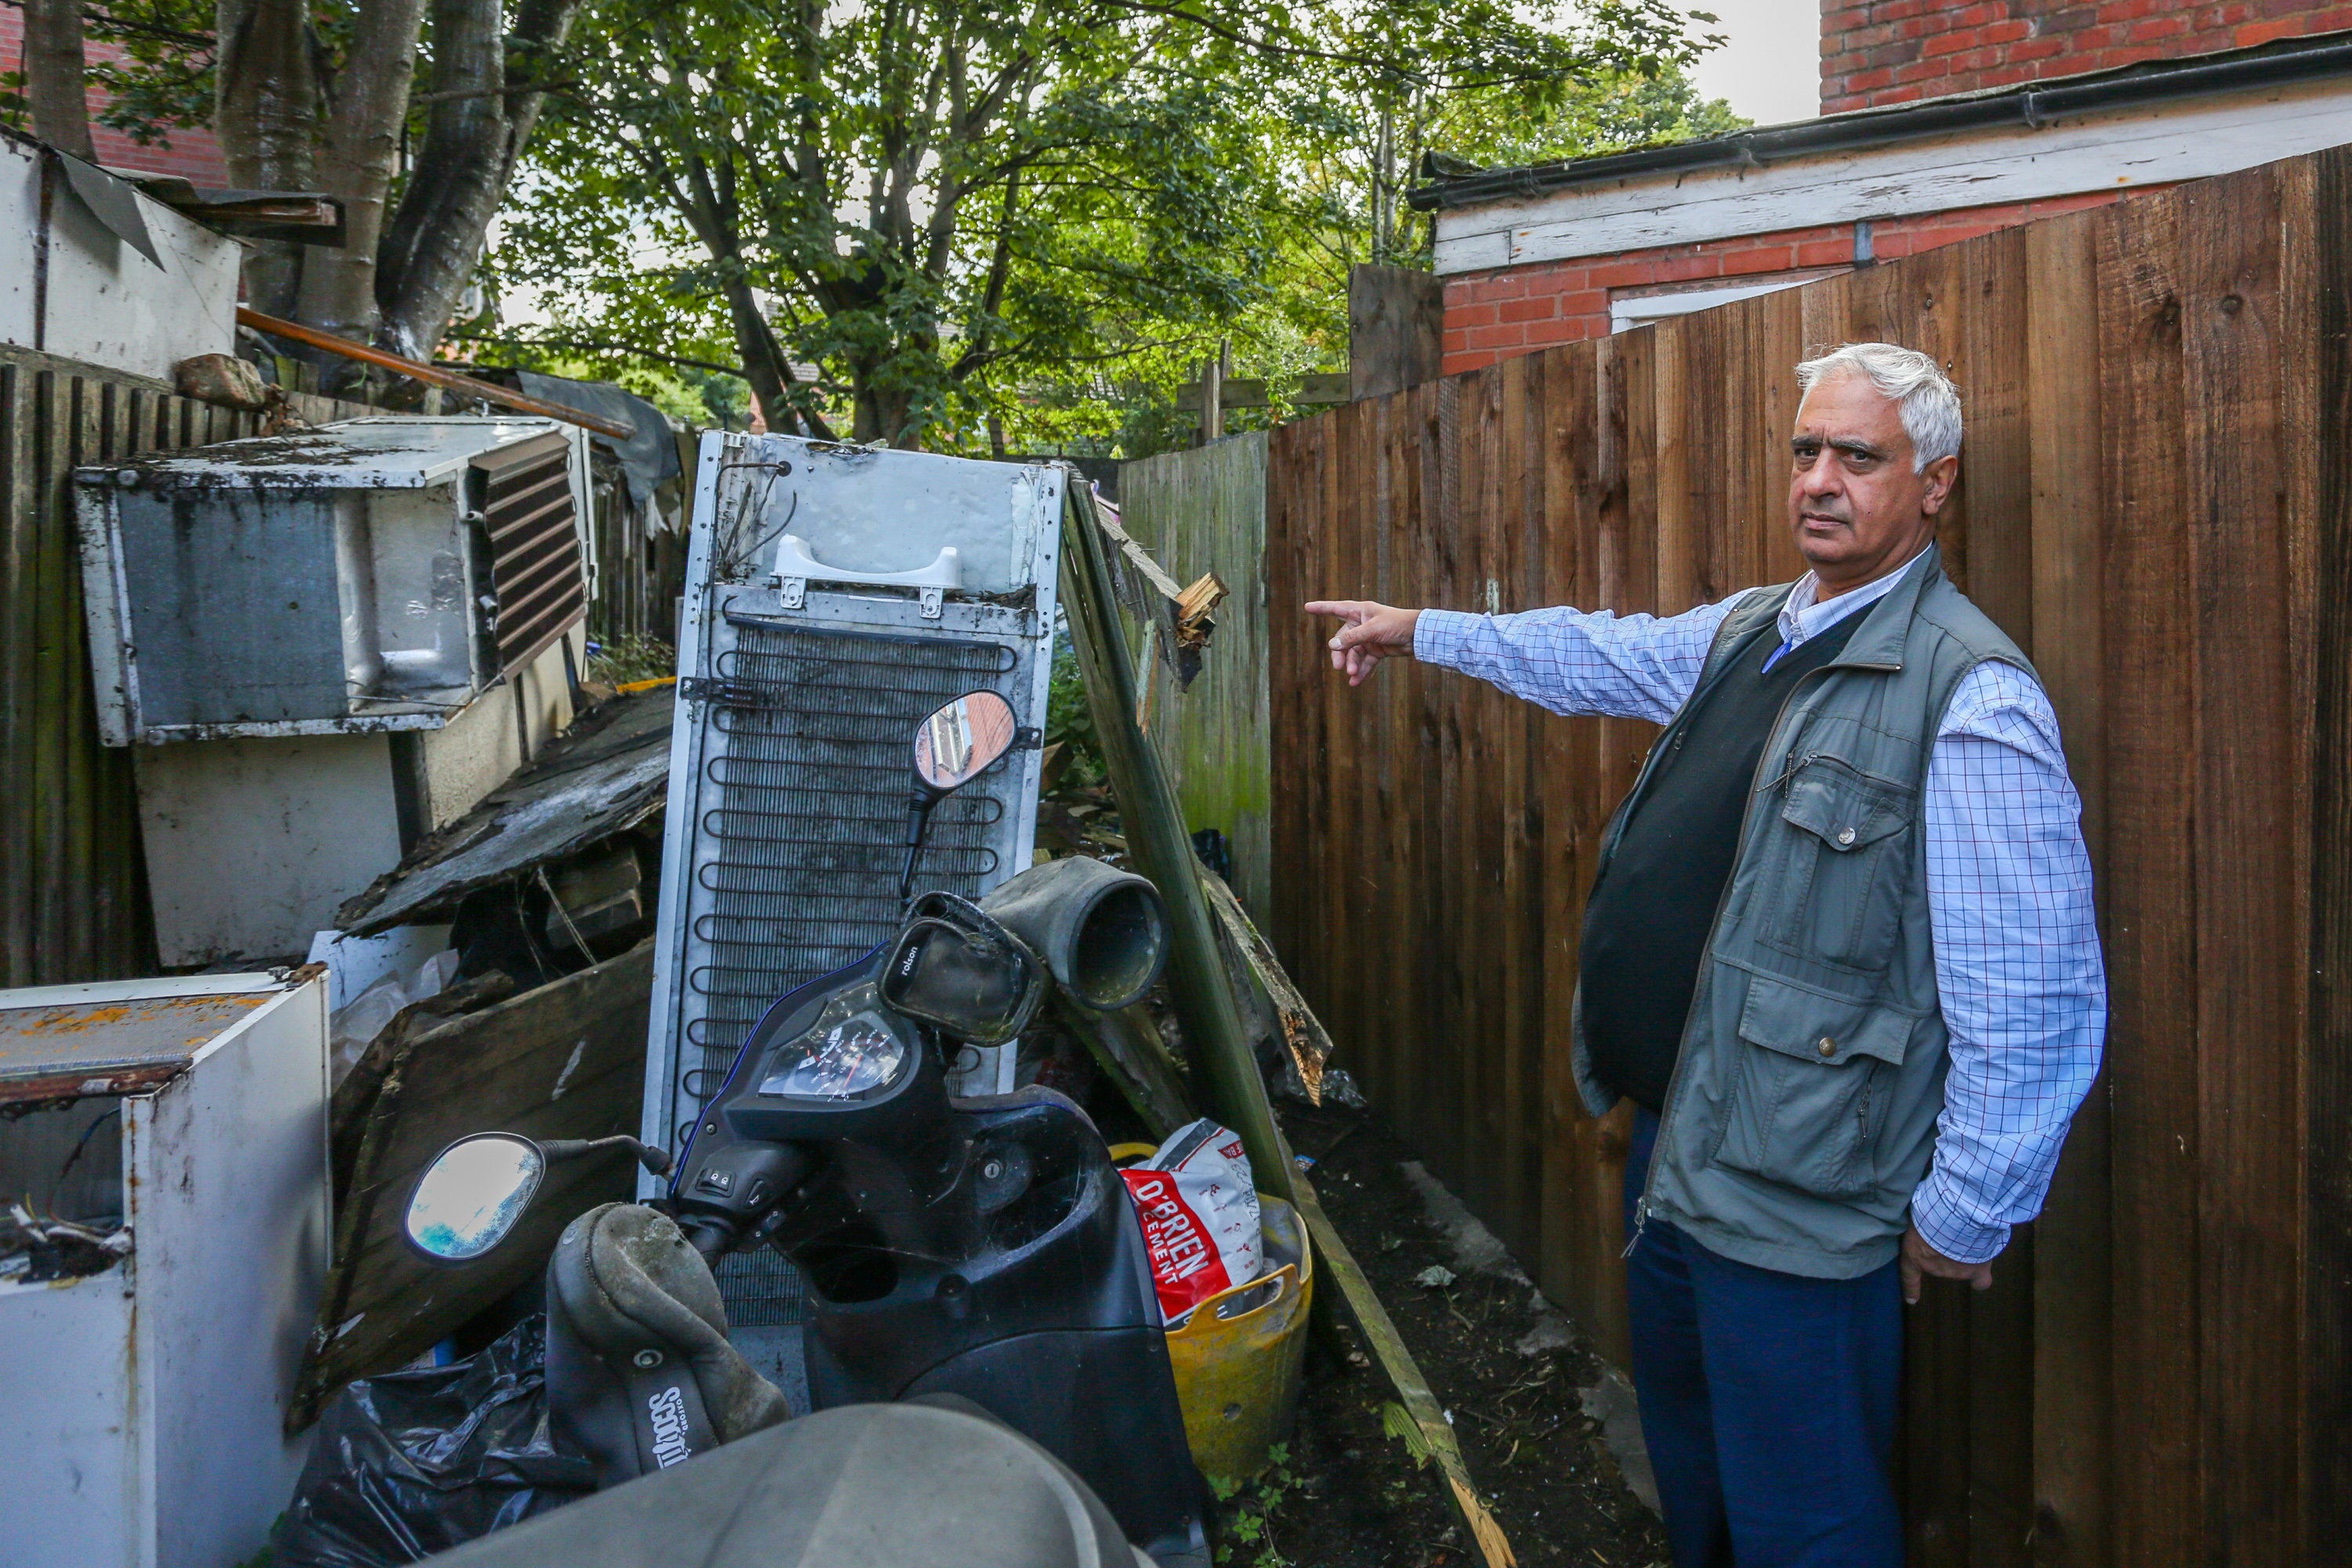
(1199, 1216)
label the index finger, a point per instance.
(1340, 607)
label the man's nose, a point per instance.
(1818, 476)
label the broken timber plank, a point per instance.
(1295, 1026)
(1339, 1264)
(1163, 851)
(565, 1060)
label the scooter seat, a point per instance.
(630, 1306)
(933, 1481)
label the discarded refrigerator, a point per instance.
(834, 595)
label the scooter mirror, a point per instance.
(471, 1196)
(961, 739)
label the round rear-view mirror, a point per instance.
(955, 744)
(469, 1198)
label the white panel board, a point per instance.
(2064, 157)
(252, 844)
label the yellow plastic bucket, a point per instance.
(1239, 1356)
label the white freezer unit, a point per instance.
(142, 1407)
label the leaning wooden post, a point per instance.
(1197, 981)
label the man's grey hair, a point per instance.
(1928, 402)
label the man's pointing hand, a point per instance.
(1370, 633)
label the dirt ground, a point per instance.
(1350, 1495)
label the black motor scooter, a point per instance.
(981, 1248)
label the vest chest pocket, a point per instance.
(1838, 865)
(1809, 1091)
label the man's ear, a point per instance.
(1942, 475)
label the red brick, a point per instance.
(1949, 44)
(1758, 259)
(1457, 363)
(1500, 286)
(1567, 330)
(2036, 50)
(1497, 337)
(1472, 315)
(1869, 81)
(1688, 268)
(2152, 28)
(1587, 302)
(1623, 273)
(1825, 253)
(2264, 32)
(1542, 309)
(1920, 70)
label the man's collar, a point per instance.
(1802, 619)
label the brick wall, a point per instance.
(1896, 51)
(1517, 310)
(193, 155)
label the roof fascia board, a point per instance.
(2114, 151)
(2131, 88)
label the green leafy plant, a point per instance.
(621, 659)
(1250, 1508)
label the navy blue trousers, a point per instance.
(1768, 1401)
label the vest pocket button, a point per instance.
(1845, 836)
(1828, 1047)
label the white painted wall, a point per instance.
(2065, 157)
(106, 304)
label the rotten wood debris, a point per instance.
(564, 1060)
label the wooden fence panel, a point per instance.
(2155, 506)
(73, 894)
(1203, 509)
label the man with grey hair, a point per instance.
(1839, 953)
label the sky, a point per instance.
(1772, 68)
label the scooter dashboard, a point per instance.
(856, 1050)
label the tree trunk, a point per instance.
(54, 88)
(356, 156)
(476, 130)
(266, 113)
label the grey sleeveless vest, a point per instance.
(1802, 1110)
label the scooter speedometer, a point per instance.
(853, 1050)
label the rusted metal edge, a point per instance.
(432, 376)
(55, 1088)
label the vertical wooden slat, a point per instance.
(2071, 1264)
(2325, 361)
(2149, 916)
(2250, 858)
(19, 513)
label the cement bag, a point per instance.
(1199, 1210)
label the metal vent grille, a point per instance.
(803, 847)
(536, 573)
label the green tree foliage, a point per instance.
(990, 223)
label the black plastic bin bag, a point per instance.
(413, 1463)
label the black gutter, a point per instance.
(2141, 86)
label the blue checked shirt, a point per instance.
(2009, 881)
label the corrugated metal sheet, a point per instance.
(73, 898)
